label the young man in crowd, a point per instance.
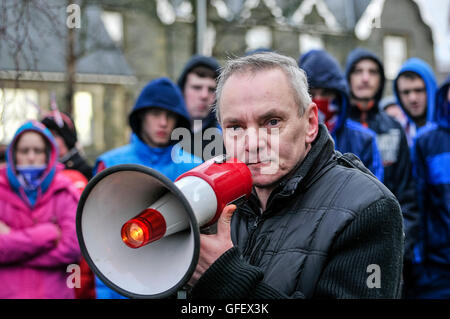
(415, 90)
(197, 81)
(431, 155)
(365, 75)
(329, 91)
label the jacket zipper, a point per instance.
(252, 237)
(256, 254)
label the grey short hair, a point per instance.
(265, 61)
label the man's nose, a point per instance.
(254, 143)
(163, 119)
(204, 92)
(365, 76)
(413, 95)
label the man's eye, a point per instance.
(273, 122)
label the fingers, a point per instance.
(213, 246)
(223, 224)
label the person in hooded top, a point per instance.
(329, 91)
(415, 89)
(65, 134)
(77, 169)
(431, 159)
(365, 76)
(389, 105)
(37, 218)
(197, 82)
(157, 112)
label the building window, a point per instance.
(82, 114)
(258, 37)
(210, 40)
(394, 48)
(16, 107)
(113, 22)
(310, 42)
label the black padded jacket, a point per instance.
(330, 230)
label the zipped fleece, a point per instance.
(325, 226)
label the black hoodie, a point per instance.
(209, 122)
(394, 150)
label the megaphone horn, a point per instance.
(154, 253)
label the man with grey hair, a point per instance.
(320, 225)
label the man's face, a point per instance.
(365, 79)
(396, 112)
(157, 126)
(262, 124)
(321, 93)
(328, 110)
(199, 94)
(30, 149)
(413, 95)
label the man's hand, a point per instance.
(213, 246)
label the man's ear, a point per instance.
(312, 127)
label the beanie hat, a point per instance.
(63, 125)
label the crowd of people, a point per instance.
(362, 180)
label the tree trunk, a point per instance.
(71, 66)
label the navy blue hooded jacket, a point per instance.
(394, 149)
(171, 160)
(421, 68)
(323, 71)
(431, 154)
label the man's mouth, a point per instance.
(161, 134)
(259, 163)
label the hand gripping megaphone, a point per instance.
(139, 231)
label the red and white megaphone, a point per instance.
(152, 254)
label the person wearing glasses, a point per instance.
(415, 87)
(37, 218)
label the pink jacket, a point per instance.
(42, 242)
